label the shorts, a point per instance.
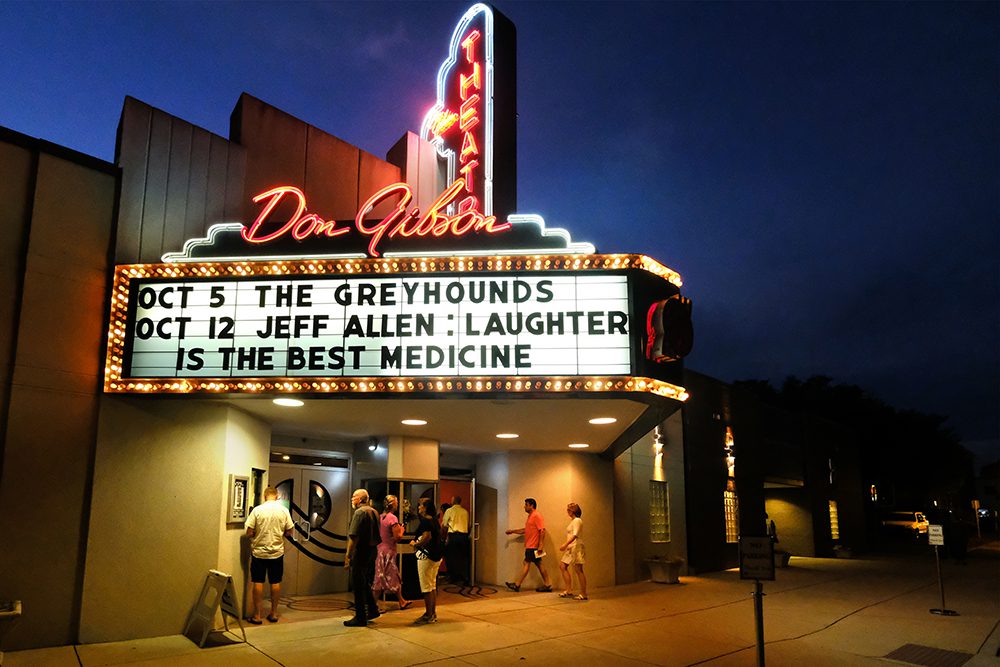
(427, 572)
(529, 556)
(575, 554)
(273, 568)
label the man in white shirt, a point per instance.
(455, 523)
(267, 526)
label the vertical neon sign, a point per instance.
(473, 119)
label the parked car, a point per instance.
(914, 523)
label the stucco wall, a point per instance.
(553, 479)
(53, 297)
(248, 442)
(155, 523)
(634, 469)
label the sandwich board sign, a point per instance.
(218, 594)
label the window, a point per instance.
(659, 512)
(834, 521)
(732, 505)
(729, 500)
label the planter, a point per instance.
(781, 558)
(665, 570)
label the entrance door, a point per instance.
(465, 488)
(318, 499)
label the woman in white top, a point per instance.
(573, 554)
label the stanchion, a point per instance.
(758, 617)
(943, 611)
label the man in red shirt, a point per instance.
(534, 537)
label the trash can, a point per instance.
(664, 570)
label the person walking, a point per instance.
(427, 548)
(534, 537)
(362, 543)
(455, 527)
(267, 527)
(573, 554)
(387, 577)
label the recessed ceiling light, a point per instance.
(414, 422)
(603, 420)
(286, 457)
(579, 445)
(289, 402)
(317, 464)
(507, 436)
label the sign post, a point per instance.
(757, 563)
(935, 537)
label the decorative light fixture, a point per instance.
(289, 402)
(603, 420)
(372, 447)
(414, 422)
(579, 445)
(507, 436)
(286, 457)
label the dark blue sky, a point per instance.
(823, 176)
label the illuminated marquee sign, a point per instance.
(312, 326)
(463, 297)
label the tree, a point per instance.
(911, 456)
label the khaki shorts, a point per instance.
(427, 572)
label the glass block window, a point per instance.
(732, 506)
(834, 521)
(659, 512)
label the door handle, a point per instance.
(475, 532)
(308, 528)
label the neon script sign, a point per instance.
(401, 222)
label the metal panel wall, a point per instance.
(177, 180)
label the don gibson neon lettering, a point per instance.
(402, 221)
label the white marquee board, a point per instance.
(310, 326)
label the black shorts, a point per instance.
(529, 556)
(273, 568)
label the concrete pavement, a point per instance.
(818, 612)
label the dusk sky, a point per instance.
(825, 177)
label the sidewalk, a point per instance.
(818, 612)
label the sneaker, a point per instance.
(424, 620)
(355, 623)
(544, 589)
(512, 586)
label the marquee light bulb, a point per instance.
(603, 420)
(507, 436)
(414, 422)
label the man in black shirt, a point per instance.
(362, 542)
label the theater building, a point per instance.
(425, 336)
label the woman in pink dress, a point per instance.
(386, 572)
